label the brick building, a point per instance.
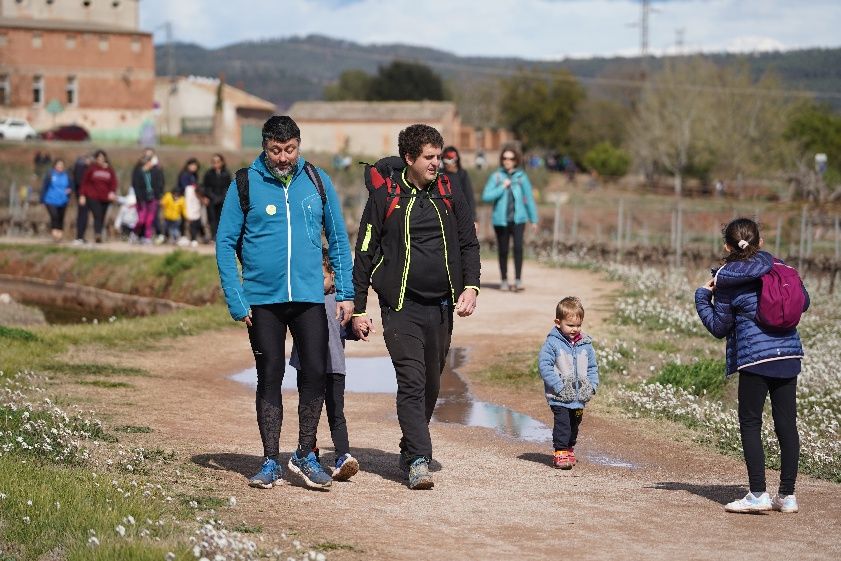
(82, 62)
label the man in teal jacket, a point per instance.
(278, 242)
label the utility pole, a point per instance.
(680, 36)
(644, 14)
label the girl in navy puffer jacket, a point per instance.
(768, 361)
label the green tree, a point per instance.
(815, 128)
(406, 81)
(597, 121)
(353, 85)
(607, 160)
(539, 110)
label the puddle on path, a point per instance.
(455, 402)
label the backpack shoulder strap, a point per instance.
(315, 177)
(243, 190)
(445, 189)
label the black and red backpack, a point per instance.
(380, 175)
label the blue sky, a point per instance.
(538, 29)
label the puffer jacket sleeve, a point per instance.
(494, 188)
(546, 367)
(528, 198)
(592, 367)
(719, 317)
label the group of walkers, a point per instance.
(148, 212)
(417, 248)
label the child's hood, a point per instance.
(556, 333)
(737, 273)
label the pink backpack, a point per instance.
(781, 299)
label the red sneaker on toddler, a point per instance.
(572, 459)
(562, 459)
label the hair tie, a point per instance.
(743, 244)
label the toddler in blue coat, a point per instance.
(767, 360)
(567, 364)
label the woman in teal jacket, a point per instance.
(509, 189)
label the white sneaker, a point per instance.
(784, 503)
(194, 243)
(78, 241)
(751, 503)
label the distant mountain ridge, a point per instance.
(288, 70)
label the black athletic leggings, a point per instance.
(56, 216)
(308, 324)
(503, 237)
(98, 209)
(753, 390)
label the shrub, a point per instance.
(607, 160)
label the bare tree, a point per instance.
(672, 125)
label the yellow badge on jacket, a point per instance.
(271, 210)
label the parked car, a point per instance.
(66, 132)
(16, 129)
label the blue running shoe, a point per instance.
(310, 471)
(268, 475)
(419, 476)
(346, 467)
(751, 503)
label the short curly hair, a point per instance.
(281, 128)
(412, 139)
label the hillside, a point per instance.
(308, 64)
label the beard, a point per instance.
(281, 172)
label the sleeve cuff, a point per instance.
(476, 288)
(359, 314)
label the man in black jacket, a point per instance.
(417, 247)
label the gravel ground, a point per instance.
(494, 497)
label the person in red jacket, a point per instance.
(98, 189)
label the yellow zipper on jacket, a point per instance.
(407, 239)
(377, 266)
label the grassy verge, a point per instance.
(72, 487)
(183, 276)
(37, 348)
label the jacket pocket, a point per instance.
(585, 390)
(313, 217)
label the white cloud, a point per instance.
(537, 29)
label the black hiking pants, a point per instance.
(308, 324)
(753, 390)
(418, 340)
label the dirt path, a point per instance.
(494, 497)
